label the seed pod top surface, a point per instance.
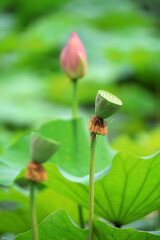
(41, 148)
(106, 104)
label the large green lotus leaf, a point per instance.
(15, 219)
(128, 192)
(113, 198)
(14, 208)
(73, 157)
(13, 160)
(59, 226)
(102, 231)
(56, 226)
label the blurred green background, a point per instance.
(122, 40)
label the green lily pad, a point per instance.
(102, 231)
(127, 193)
(59, 226)
(73, 156)
(13, 160)
(13, 223)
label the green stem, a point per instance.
(75, 99)
(74, 115)
(33, 211)
(91, 186)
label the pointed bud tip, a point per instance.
(74, 34)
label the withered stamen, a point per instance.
(36, 172)
(97, 126)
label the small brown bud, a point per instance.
(36, 172)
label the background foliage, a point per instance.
(123, 48)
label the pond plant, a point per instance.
(41, 149)
(83, 171)
(106, 104)
(73, 61)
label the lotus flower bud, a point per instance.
(73, 58)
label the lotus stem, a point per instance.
(91, 186)
(75, 99)
(33, 210)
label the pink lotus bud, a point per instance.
(73, 58)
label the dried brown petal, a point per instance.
(97, 126)
(36, 172)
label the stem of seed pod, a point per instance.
(33, 210)
(75, 99)
(91, 186)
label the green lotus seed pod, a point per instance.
(41, 149)
(106, 104)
